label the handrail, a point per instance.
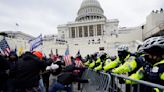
(140, 81)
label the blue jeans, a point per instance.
(41, 86)
(58, 86)
(10, 85)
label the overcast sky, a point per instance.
(42, 16)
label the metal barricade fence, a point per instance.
(98, 82)
(104, 82)
(139, 86)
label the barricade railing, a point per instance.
(104, 82)
(118, 85)
(98, 82)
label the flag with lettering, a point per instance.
(36, 42)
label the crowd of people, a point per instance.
(30, 72)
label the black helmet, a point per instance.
(154, 44)
(123, 47)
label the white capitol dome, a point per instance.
(89, 10)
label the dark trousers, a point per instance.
(10, 85)
(33, 89)
(3, 86)
(58, 86)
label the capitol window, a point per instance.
(85, 31)
(99, 29)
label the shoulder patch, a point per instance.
(155, 69)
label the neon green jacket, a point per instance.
(140, 74)
(98, 60)
(91, 65)
(107, 61)
(87, 63)
(98, 68)
(129, 65)
(112, 64)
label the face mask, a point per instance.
(122, 55)
(150, 60)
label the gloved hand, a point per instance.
(147, 68)
(48, 68)
(109, 72)
(141, 61)
(121, 80)
(52, 67)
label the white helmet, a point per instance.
(123, 48)
(153, 42)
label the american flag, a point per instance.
(67, 58)
(78, 62)
(5, 47)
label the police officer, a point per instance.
(152, 62)
(123, 55)
(94, 59)
(101, 61)
(132, 64)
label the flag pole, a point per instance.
(42, 45)
(17, 27)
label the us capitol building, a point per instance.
(92, 32)
(90, 22)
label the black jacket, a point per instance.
(12, 64)
(28, 71)
(67, 76)
(3, 67)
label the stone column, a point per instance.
(96, 30)
(82, 31)
(77, 32)
(88, 32)
(102, 29)
(70, 32)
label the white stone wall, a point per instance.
(111, 27)
(17, 43)
(63, 31)
(153, 23)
